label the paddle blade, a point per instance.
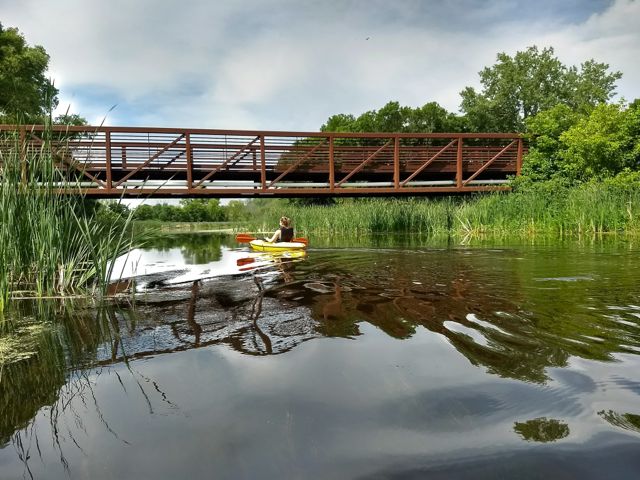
(244, 238)
(245, 261)
(301, 240)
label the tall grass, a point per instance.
(546, 209)
(51, 244)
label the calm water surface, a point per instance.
(371, 360)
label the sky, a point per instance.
(289, 65)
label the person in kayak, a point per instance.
(284, 233)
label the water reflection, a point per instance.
(490, 315)
(195, 248)
(518, 320)
(627, 421)
(494, 307)
(494, 316)
(48, 370)
(542, 430)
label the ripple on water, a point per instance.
(514, 332)
(627, 421)
(577, 278)
(473, 334)
(488, 325)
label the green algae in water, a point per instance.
(22, 343)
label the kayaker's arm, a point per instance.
(275, 238)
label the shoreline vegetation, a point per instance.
(550, 208)
(53, 244)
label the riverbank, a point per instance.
(542, 209)
(186, 227)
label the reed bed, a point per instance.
(547, 210)
(51, 244)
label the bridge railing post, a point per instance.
(396, 163)
(107, 156)
(519, 157)
(23, 155)
(263, 165)
(189, 155)
(459, 163)
(332, 166)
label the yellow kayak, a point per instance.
(264, 246)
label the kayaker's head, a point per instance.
(285, 222)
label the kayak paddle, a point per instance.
(246, 238)
(244, 261)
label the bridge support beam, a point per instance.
(519, 157)
(332, 165)
(396, 163)
(187, 140)
(459, 164)
(107, 146)
(263, 165)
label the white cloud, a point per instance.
(254, 74)
(289, 65)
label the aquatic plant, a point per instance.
(52, 239)
(547, 208)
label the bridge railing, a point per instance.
(112, 161)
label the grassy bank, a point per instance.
(543, 209)
(51, 244)
(184, 227)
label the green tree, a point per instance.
(519, 87)
(339, 123)
(194, 210)
(144, 212)
(26, 94)
(201, 210)
(544, 130)
(236, 211)
(215, 211)
(393, 117)
(431, 117)
(70, 119)
(603, 143)
(577, 147)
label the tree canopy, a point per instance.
(26, 94)
(393, 117)
(574, 146)
(516, 88)
(574, 132)
(190, 210)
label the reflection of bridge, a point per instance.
(116, 161)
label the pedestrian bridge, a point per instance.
(173, 162)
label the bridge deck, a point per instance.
(160, 162)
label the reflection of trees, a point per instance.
(29, 384)
(196, 248)
(52, 371)
(36, 379)
(491, 317)
(628, 421)
(541, 430)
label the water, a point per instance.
(379, 359)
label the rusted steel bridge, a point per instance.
(165, 162)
